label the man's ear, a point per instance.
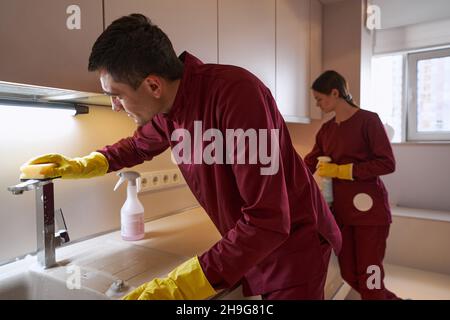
(153, 85)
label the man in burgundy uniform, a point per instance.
(360, 205)
(277, 231)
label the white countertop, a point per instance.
(168, 242)
(185, 234)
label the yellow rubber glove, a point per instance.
(185, 282)
(333, 170)
(92, 165)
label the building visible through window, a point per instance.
(433, 95)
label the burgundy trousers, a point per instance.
(361, 260)
(311, 290)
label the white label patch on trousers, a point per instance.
(363, 202)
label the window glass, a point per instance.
(433, 95)
(387, 92)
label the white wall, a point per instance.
(90, 206)
(342, 27)
(421, 179)
(419, 243)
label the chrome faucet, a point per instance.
(47, 240)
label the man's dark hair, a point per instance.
(131, 48)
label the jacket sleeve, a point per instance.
(265, 214)
(147, 142)
(311, 158)
(382, 159)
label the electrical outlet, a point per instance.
(158, 180)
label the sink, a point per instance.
(33, 285)
(27, 280)
(96, 269)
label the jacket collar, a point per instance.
(190, 63)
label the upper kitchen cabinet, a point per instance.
(298, 59)
(247, 37)
(48, 42)
(292, 62)
(191, 25)
(280, 42)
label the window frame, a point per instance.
(411, 134)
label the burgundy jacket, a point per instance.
(270, 224)
(361, 140)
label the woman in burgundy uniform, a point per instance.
(360, 150)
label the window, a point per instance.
(417, 107)
(429, 101)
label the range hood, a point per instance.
(19, 91)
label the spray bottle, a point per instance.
(326, 184)
(132, 212)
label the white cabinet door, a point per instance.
(191, 25)
(315, 54)
(48, 42)
(293, 59)
(247, 37)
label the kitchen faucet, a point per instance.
(47, 240)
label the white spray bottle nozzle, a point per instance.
(121, 180)
(131, 176)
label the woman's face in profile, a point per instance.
(326, 102)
